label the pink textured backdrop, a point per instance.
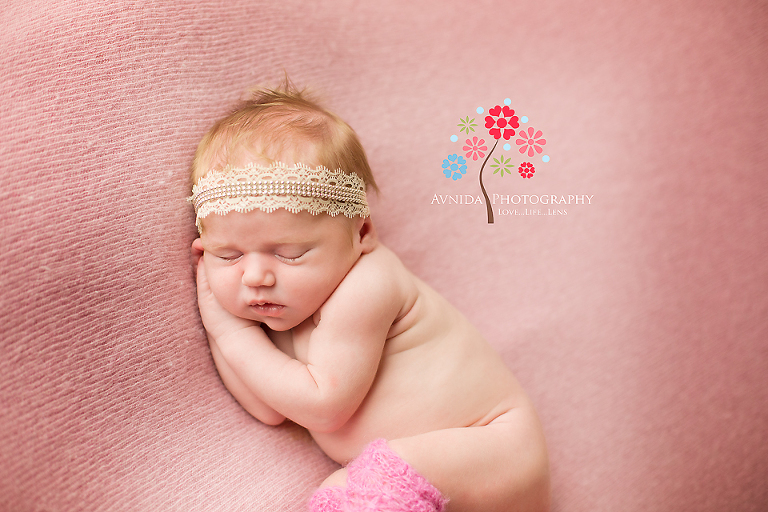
(637, 323)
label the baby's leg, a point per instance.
(501, 466)
(377, 480)
(498, 467)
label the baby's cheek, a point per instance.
(224, 288)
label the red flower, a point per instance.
(501, 122)
(526, 169)
(475, 148)
(530, 141)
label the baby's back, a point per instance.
(436, 372)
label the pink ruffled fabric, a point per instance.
(379, 480)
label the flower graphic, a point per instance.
(526, 169)
(502, 122)
(503, 125)
(454, 167)
(502, 165)
(475, 148)
(466, 124)
(530, 140)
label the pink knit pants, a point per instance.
(379, 480)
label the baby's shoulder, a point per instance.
(380, 267)
(379, 276)
(380, 260)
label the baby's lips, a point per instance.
(264, 303)
(260, 303)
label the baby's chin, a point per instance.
(280, 324)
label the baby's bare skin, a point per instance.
(421, 375)
(436, 371)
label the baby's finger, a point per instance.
(194, 261)
(195, 253)
(202, 279)
(197, 247)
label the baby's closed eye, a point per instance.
(290, 256)
(229, 257)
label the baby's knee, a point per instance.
(336, 479)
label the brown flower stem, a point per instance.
(482, 187)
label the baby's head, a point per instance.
(282, 125)
(280, 197)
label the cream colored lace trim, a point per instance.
(295, 188)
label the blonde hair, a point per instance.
(282, 123)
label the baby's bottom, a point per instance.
(501, 466)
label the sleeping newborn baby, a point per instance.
(310, 318)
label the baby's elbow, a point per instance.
(266, 415)
(273, 420)
(329, 417)
(326, 425)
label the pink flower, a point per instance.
(475, 148)
(530, 141)
(526, 169)
(501, 122)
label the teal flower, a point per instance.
(454, 167)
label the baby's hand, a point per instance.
(217, 321)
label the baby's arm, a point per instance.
(250, 402)
(343, 356)
(214, 315)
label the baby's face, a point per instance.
(278, 267)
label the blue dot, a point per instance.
(507, 101)
(480, 110)
(524, 119)
(454, 138)
(545, 158)
(507, 147)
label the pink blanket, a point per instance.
(636, 319)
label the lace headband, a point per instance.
(296, 188)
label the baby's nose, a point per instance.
(256, 272)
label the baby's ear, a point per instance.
(367, 233)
